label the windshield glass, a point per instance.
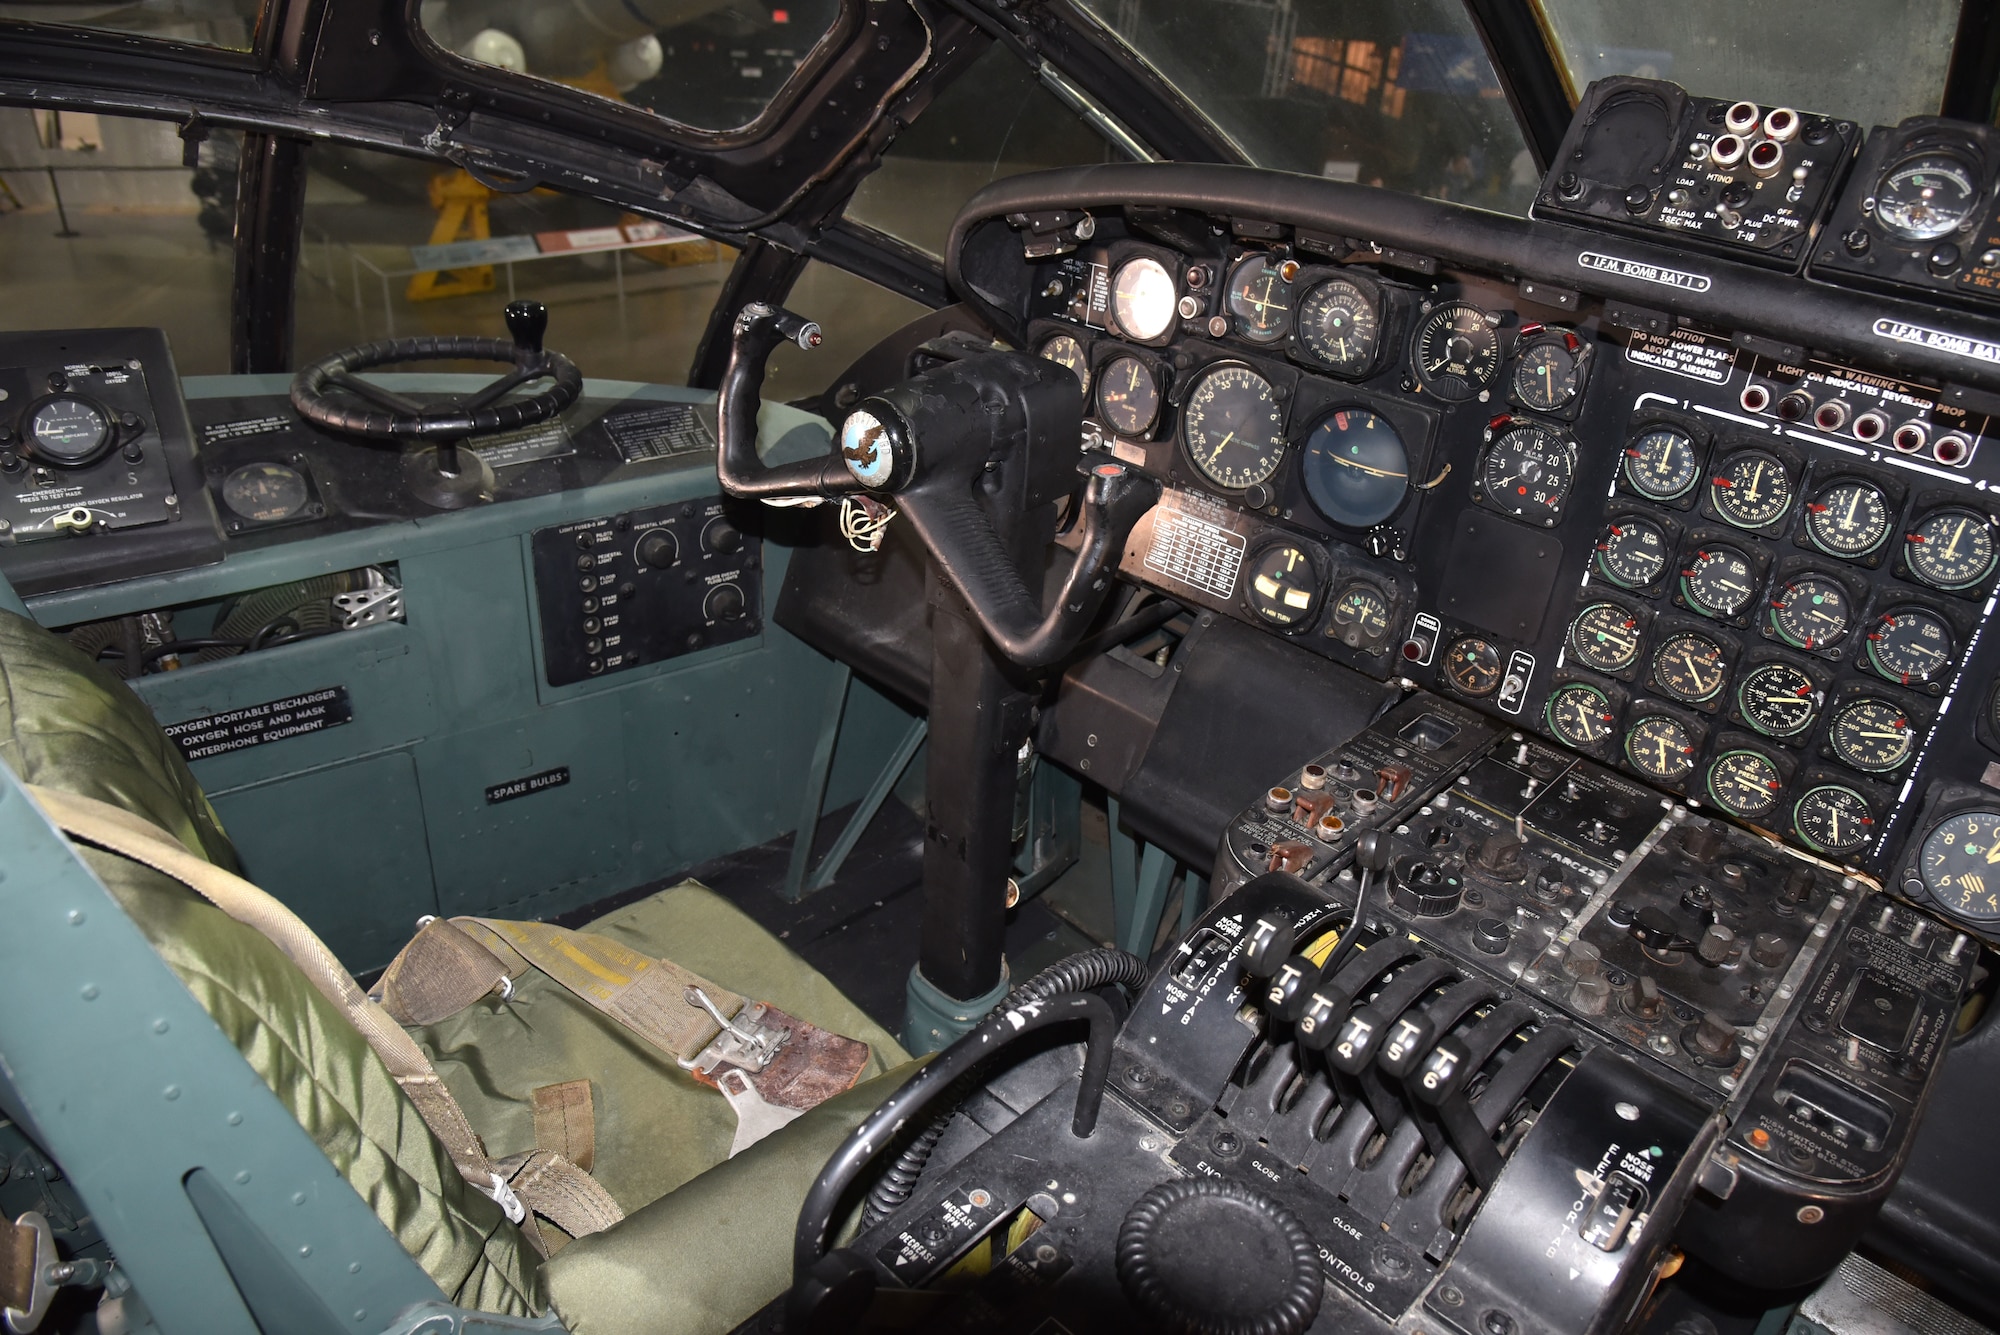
(1863, 60)
(1400, 95)
(994, 120)
(225, 23)
(710, 64)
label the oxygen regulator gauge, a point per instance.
(68, 430)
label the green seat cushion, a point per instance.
(703, 1260)
(657, 1127)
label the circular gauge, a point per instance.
(1356, 469)
(1064, 350)
(1871, 735)
(1283, 586)
(1235, 432)
(1527, 471)
(1579, 714)
(1832, 818)
(1718, 582)
(1751, 489)
(1849, 518)
(1661, 748)
(1689, 667)
(1260, 299)
(69, 432)
(1660, 463)
(1128, 396)
(1473, 666)
(1142, 298)
(1456, 351)
(1810, 612)
(265, 493)
(1950, 549)
(1605, 636)
(1360, 614)
(1632, 552)
(1778, 700)
(1960, 864)
(1338, 324)
(1911, 646)
(1547, 374)
(1926, 196)
(1744, 783)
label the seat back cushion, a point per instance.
(67, 724)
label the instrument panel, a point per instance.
(1756, 578)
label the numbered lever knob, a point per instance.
(527, 321)
(1269, 945)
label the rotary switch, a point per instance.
(1423, 888)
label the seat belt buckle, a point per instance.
(746, 1041)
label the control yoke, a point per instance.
(969, 451)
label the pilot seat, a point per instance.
(705, 1234)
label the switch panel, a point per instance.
(620, 591)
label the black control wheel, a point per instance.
(331, 395)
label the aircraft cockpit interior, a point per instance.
(992, 666)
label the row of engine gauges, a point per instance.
(1846, 514)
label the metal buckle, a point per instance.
(743, 1041)
(41, 1283)
(756, 1117)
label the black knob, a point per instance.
(1491, 936)
(10, 462)
(1176, 1272)
(1798, 886)
(1271, 939)
(1290, 990)
(1501, 854)
(527, 321)
(1568, 186)
(1424, 889)
(1702, 841)
(658, 549)
(722, 538)
(1943, 260)
(725, 603)
(1637, 199)
(1857, 241)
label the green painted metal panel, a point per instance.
(544, 852)
(345, 847)
(670, 764)
(386, 670)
